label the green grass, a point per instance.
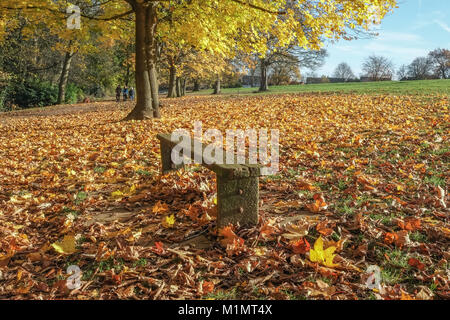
(435, 180)
(80, 197)
(222, 295)
(422, 87)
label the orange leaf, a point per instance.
(207, 287)
(319, 203)
(160, 207)
(231, 241)
(389, 237)
(409, 224)
(300, 246)
(267, 230)
(303, 185)
(416, 263)
(228, 234)
(323, 229)
(159, 248)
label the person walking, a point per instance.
(125, 93)
(132, 94)
(118, 93)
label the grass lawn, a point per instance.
(387, 87)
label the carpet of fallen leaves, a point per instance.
(363, 181)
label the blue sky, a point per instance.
(412, 30)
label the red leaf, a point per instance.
(416, 263)
(300, 246)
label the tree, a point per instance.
(378, 68)
(421, 68)
(217, 26)
(440, 59)
(282, 74)
(291, 56)
(344, 71)
(50, 17)
(402, 72)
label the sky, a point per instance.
(415, 28)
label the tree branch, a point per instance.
(248, 4)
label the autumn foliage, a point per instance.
(362, 182)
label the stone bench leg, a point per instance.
(237, 201)
(166, 158)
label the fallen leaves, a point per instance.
(66, 245)
(158, 248)
(160, 207)
(413, 262)
(169, 221)
(318, 205)
(400, 238)
(318, 289)
(296, 231)
(305, 185)
(233, 244)
(352, 174)
(409, 224)
(268, 230)
(323, 229)
(300, 246)
(206, 287)
(324, 257)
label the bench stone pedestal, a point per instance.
(237, 186)
(237, 201)
(166, 158)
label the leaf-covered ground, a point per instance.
(363, 176)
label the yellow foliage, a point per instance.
(324, 257)
(65, 246)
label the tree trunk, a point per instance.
(252, 81)
(127, 76)
(217, 88)
(152, 55)
(183, 88)
(172, 80)
(196, 85)
(155, 91)
(178, 87)
(64, 77)
(264, 86)
(143, 109)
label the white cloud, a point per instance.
(400, 37)
(348, 48)
(396, 44)
(415, 29)
(394, 51)
(443, 25)
(430, 18)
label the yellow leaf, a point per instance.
(169, 221)
(260, 251)
(110, 172)
(66, 246)
(117, 194)
(324, 257)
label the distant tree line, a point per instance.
(436, 65)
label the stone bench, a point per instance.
(237, 184)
